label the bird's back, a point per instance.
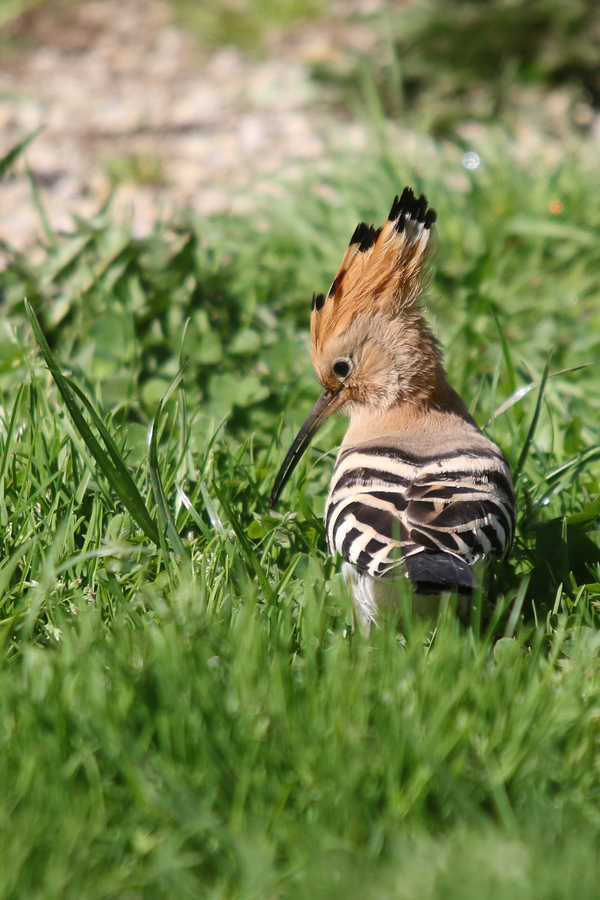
(429, 511)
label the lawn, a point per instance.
(185, 708)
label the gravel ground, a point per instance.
(123, 94)
(126, 97)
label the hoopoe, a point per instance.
(417, 490)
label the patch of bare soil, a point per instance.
(126, 98)
(130, 103)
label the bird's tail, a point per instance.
(432, 572)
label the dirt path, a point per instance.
(125, 95)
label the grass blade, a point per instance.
(536, 415)
(122, 482)
(109, 460)
(41, 211)
(164, 513)
(248, 550)
(187, 503)
(516, 608)
(510, 368)
(518, 394)
(5, 455)
(586, 517)
(13, 154)
(114, 551)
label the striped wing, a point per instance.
(386, 507)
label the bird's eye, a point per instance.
(342, 367)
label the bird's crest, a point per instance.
(380, 272)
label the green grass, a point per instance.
(237, 22)
(439, 64)
(185, 708)
(244, 24)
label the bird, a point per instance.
(417, 492)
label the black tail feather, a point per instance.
(432, 572)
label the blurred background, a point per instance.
(165, 104)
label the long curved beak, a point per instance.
(327, 403)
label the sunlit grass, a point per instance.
(185, 707)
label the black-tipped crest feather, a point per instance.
(407, 206)
(359, 233)
(382, 269)
(370, 236)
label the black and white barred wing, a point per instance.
(468, 511)
(365, 507)
(388, 510)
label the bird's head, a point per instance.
(378, 361)
(371, 346)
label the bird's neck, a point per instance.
(435, 412)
